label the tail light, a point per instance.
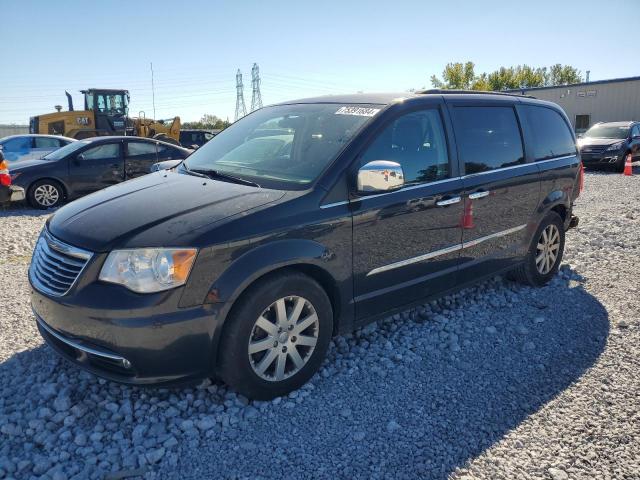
(5, 178)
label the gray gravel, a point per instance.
(498, 381)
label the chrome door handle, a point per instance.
(476, 195)
(448, 201)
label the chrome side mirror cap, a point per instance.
(380, 176)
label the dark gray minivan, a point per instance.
(302, 221)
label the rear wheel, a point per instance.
(45, 194)
(276, 337)
(545, 252)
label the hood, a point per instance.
(19, 165)
(159, 209)
(592, 141)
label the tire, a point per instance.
(619, 165)
(530, 271)
(259, 375)
(45, 194)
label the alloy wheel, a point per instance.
(547, 249)
(283, 338)
(46, 195)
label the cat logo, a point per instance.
(83, 120)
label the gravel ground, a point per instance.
(498, 381)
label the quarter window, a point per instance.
(550, 134)
(19, 144)
(109, 150)
(488, 138)
(168, 153)
(417, 142)
(636, 131)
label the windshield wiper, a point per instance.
(210, 173)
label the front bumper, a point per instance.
(12, 193)
(603, 158)
(129, 338)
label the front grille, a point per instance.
(593, 149)
(55, 266)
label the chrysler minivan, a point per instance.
(302, 221)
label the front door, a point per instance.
(406, 242)
(140, 155)
(501, 189)
(96, 168)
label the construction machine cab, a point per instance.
(110, 108)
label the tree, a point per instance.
(462, 76)
(208, 122)
(455, 76)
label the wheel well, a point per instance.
(319, 275)
(560, 210)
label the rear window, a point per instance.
(488, 138)
(46, 142)
(549, 133)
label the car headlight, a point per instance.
(147, 270)
(615, 146)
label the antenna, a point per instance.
(256, 97)
(241, 109)
(153, 92)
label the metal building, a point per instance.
(591, 102)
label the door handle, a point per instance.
(477, 195)
(448, 201)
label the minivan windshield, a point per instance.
(66, 150)
(285, 146)
(604, 131)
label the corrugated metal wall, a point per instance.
(604, 102)
(6, 130)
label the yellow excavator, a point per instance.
(106, 112)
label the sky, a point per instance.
(303, 48)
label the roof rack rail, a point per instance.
(450, 91)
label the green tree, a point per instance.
(462, 76)
(455, 76)
(208, 122)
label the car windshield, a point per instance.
(66, 150)
(285, 146)
(604, 131)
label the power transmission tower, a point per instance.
(256, 97)
(241, 109)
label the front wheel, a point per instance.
(45, 194)
(545, 252)
(276, 336)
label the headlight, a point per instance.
(147, 270)
(615, 146)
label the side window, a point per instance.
(636, 131)
(140, 148)
(417, 142)
(549, 133)
(44, 142)
(487, 138)
(108, 150)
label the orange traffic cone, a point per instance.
(628, 168)
(467, 216)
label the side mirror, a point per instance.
(80, 157)
(380, 176)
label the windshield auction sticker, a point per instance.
(358, 111)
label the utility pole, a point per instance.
(241, 109)
(153, 93)
(256, 97)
